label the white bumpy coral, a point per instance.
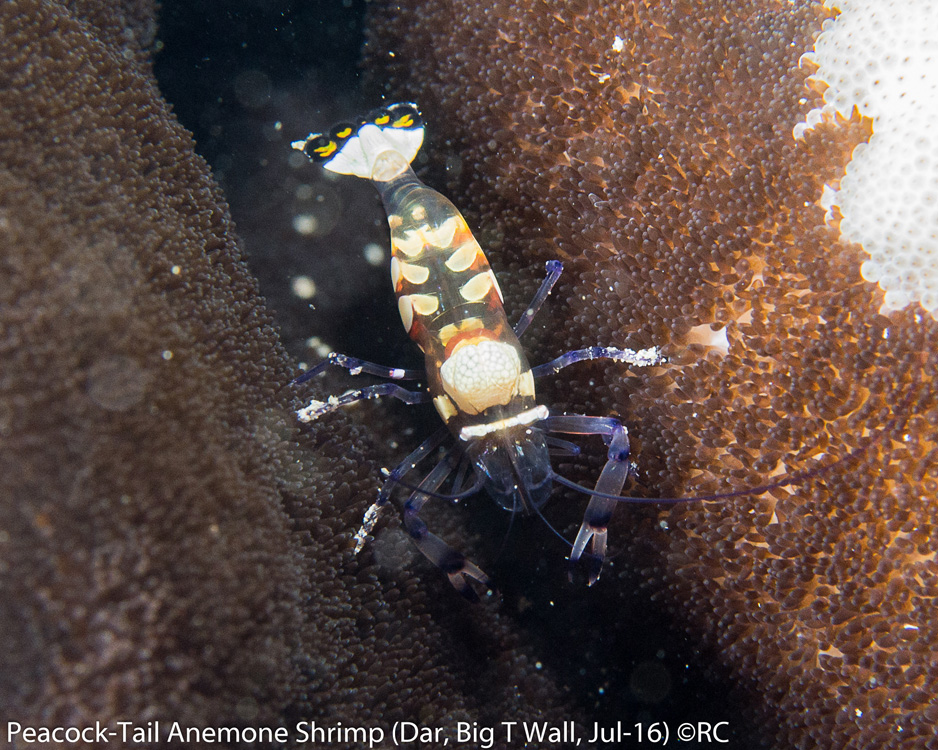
(881, 56)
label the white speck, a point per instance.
(374, 253)
(167, 354)
(858, 712)
(910, 627)
(355, 371)
(397, 373)
(618, 44)
(305, 224)
(278, 126)
(176, 270)
(538, 665)
(303, 287)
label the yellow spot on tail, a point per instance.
(463, 257)
(415, 274)
(326, 150)
(477, 287)
(406, 309)
(344, 133)
(403, 122)
(383, 120)
(425, 304)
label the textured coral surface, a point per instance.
(170, 547)
(649, 145)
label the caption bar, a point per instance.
(463, 734)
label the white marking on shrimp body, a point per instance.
(477, 287)
(414, 274)
(406, 309)
(460, 260)
(526, 417)
(481, 375)
(410, 243)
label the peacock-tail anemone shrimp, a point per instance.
(478, 377)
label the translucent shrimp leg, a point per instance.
(357, 366)
(316, 409)
(593, 529)
(554, 269)
(451, 562)
(638, 358)
(394, 476)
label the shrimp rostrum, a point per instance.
(478, 377)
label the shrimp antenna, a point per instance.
(471, 490)
(511, 523)
(547, 523)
